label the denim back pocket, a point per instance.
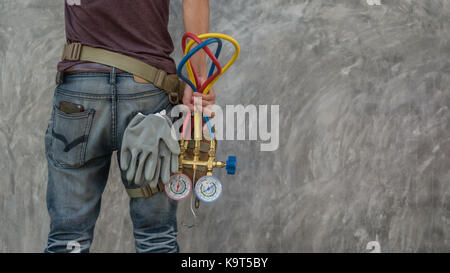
(70, 133)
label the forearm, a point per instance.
(196, 21)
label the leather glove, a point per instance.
(140, 150)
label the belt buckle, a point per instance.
(174, 98)
(159, 78)
(72, 52)
(146, 191)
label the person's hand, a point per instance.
(207, 100)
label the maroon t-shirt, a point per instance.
(137, 28)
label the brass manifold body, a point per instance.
(194, 161)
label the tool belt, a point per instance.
(146, 191)
(173, 86)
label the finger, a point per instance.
(173, 145)
(165, 168)
(206, 99)
(190, 106)
(140, 169)
(187, 95)
(132, 167)
(204, 103)
(155, 179)
(187, 99)
(150, 166)
(173, 163)
(208, 112)
(124, 158)
(211, 96)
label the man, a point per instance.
(93, 104)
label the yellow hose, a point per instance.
(225, 68)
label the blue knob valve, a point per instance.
(231, 165)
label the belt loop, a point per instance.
(112, 75)
(59, 77)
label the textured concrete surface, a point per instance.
(365, 131)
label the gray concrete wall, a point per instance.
(364, 95)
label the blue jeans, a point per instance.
(79, 148)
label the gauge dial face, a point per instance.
(208, 189)
(179, 187)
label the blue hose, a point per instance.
(191, 53)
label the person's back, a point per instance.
(134, 28)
